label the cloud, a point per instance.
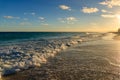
(64, 7)
(71, 19)
(110, 3)
(45, 24)
(33, 13)
(105, 11)
(89, 10)
(25, 23)
(41, 18)
(11, 17)
(108, 15)
(25, 19)
(43, 21)
(8, 17)
(115, 16)
(68, 20)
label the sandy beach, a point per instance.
(96, 60)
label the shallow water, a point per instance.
(99, 57)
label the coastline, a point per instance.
(38, 59)
(86, 61)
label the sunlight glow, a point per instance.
(118, 17)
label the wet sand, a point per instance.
(97, 60)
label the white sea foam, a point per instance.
(23, 55)
(112, 63)
(109, 36)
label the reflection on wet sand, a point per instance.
(97, 60)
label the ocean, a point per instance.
(9, 36)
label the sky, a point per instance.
(60, 15)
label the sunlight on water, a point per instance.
(117, 47)
(109, 36)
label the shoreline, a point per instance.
(45, 61)
(38, 59)
(80, 62)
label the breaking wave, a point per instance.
(31, 53)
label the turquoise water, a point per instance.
(9, 36)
